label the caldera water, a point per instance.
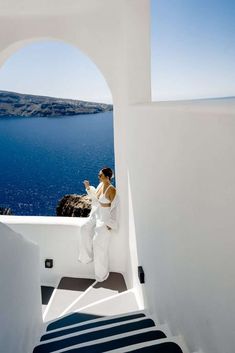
(43, 159)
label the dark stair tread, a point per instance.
(115, 281)
(67, 331)
(71, 319)
(75, 284)
(46, 293)
(119, 343)
(94, 335)
(166, 347)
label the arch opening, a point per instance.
(52, 155)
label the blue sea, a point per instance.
(43, 159)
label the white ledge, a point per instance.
(72, 221)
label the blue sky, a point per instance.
(54, 68)
(193, 56)
(193, 49)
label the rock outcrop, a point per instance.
(5, 211)
(17, 104)
(74, 206)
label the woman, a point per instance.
(95, 233)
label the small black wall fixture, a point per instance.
(141, 274)
(48, 263)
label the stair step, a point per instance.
(96, 335)
(117, 342)
(71, 319)
(116, 305)
(46, 293)
(113, 285)
(173, 344)
(167, 347)
(44, 308)
(95, 324)
(81, 321)
(69, 290)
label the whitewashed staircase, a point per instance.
(102, 319)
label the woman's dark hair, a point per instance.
(107, 172)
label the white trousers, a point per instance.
(94, 245)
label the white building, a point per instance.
(175, 174)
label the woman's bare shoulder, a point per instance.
(112, 188)
(111, 192)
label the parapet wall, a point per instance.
(20, 297)
(58, 239)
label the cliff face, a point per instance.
(16, 104)
(74, 206)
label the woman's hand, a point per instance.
(86, 184)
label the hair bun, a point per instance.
(107, 172)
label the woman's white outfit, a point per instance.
(94, 234)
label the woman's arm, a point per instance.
(113, 216)
(92, 191)
(113, 219)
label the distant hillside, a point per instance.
(17, 104)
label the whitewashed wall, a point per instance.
(181, 161)
(20, 297)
